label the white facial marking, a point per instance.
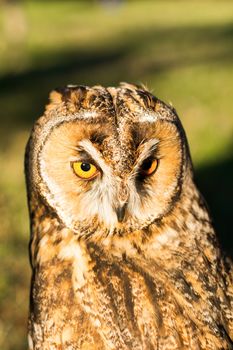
(96, 155)
(147, 117)
(99, 200)
(89, 114)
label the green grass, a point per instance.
(182, 50)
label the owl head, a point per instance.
(107, 158)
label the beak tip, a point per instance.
(120, 212)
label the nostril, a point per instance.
(120, 211)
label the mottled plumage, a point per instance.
(124, 260)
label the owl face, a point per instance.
(114, 165)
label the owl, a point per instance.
(123, 252)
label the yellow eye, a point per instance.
(149, 166)
(84, 170)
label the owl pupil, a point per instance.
(147, 164)
(85, 166)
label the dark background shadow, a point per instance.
(215, 181)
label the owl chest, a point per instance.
(122, 304)
(138, 305)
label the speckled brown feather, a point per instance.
(156, 280)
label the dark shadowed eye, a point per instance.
(149, 166)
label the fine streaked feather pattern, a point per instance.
(153, 277)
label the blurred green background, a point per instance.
(183, 52)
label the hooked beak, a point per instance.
(120, 211)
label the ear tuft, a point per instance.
(55, 97)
